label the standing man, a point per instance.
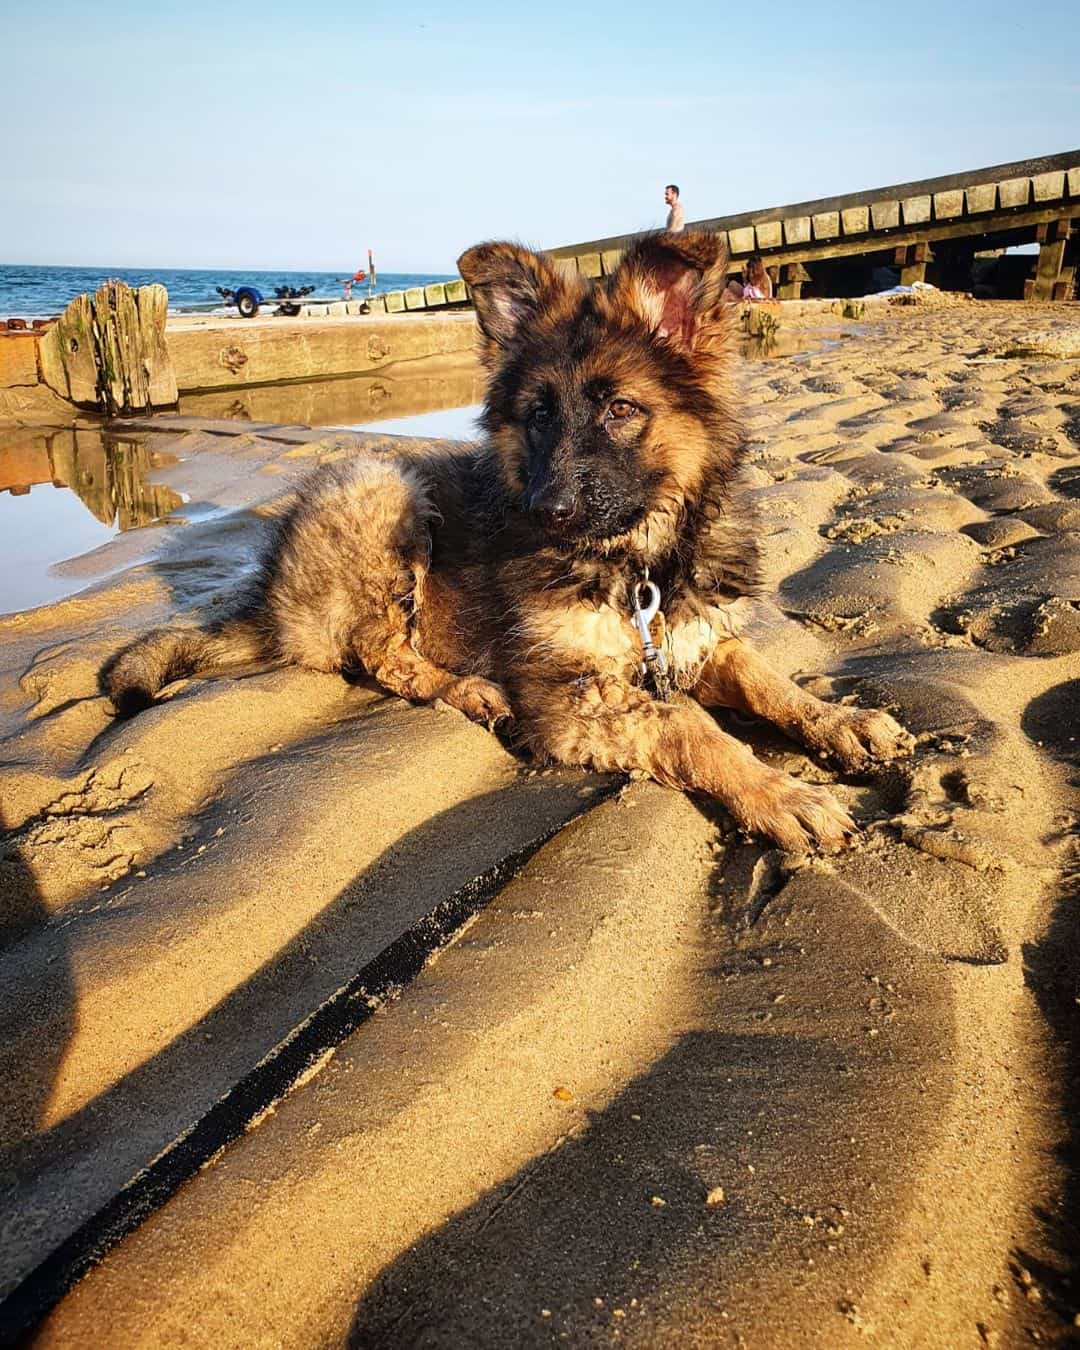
(676, 221)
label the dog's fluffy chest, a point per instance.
(603, 636)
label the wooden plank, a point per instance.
(395, 302)
(907, 254)
(567, 266)
(414, 297)
(948, 205)
(742, 240)
(797, 230)
(589, 265)
(110, 383)
(244, 354)
(980, 198)
(456, 292)
(965, 228)
(826, 224)
(1053, 230)
(1074, 182)
(916, 210)
(770, 234)
(153, 306)
(1048, 187)
(885, 215)
(119, 346)
(1014, 192)
(68, 361)
(18, 360)
(435, 293)
(610, 259)
(1048, 269)
(855, 219)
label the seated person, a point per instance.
(755, 285)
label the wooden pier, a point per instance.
(113, 351)
(914, 226)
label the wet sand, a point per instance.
(670, 1087)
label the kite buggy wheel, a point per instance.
(246, 304)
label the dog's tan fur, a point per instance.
(610, 414)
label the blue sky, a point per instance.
(296, 136)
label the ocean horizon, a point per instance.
(37, 292)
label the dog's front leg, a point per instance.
(735, 676)
(607, 724)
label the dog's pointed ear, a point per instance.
(509, 285)
(675, 282)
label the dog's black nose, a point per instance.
(552, 510)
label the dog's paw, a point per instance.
(479, 699)
(856, 738)
(798, 816)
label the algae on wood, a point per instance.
(107, 351)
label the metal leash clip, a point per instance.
(646, 602)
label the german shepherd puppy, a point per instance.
(501, 578)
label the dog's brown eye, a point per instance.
(621, 409)
(540, 416)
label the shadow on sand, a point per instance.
(812, 1130)
(1052, 972)
(242, 1055)
(28, 1083)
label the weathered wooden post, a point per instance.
(1066, 287)
(793, 276)
(107, 351)
(912, 260)
(1052, 239)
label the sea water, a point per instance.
(28, 292)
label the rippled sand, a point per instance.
(859, 1054)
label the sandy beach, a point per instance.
(668, 1087)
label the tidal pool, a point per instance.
(64, 493)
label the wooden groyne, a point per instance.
(943, 221)
(436, 295)
(113, 351)
(107, 350)
(91, 359)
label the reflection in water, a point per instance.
(64, 493)
(404, 390)
(108, 473)
(774, 345)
